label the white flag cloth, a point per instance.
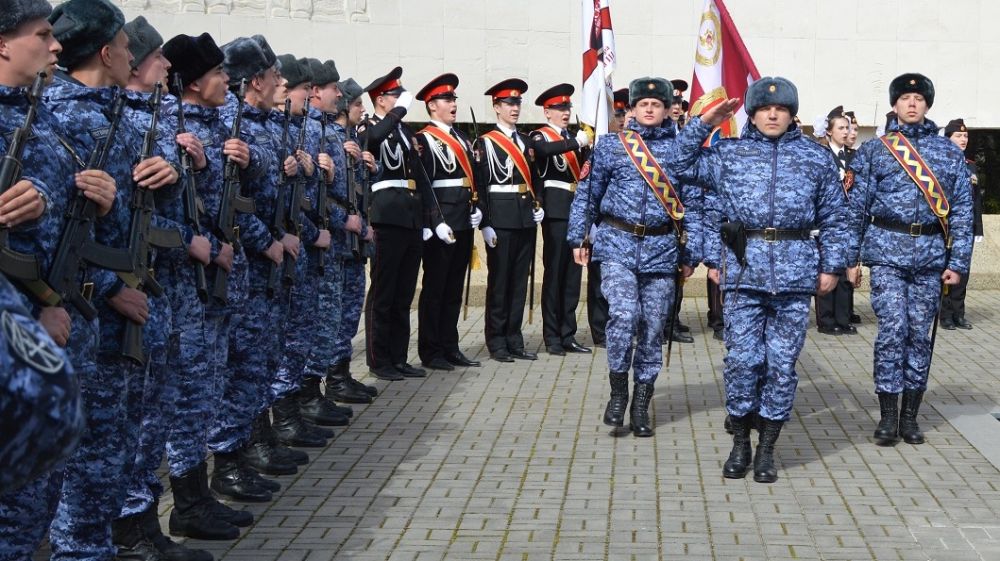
(598, 63)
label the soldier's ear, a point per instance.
(4, 47)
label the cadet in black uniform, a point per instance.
(402, 207)
(953, 303)
(446, 154)
(512, 207)
(559, 157)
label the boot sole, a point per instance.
(641, 434)
(735, 475)
(914, 441)
(765, 479)
(886, 441)
(617, 424)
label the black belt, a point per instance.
(638, 230)
(914, 230)
(778, 234)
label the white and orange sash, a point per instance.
(515, 155)
(571, 159)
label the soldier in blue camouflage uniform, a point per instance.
(253, 346)
(51, 175)
(339, 381)
(93, 489)
(301, 298)
(198, 63)
(639, 247)
(779, 187)
(910, 256)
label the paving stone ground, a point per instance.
(511, 462)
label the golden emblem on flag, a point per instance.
(709, 34)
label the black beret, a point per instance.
(351, 90)
(15, 12)
(192, 57)
(244, 59)
(143, 39)
(656, 88)
(911, 83)
(772, 91)
(294, 71)
(84, 27)
(323, 73)
(955, 125)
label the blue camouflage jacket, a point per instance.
(261, 184)
(884, 190)
(344, 247)
(614, 188)
(336, 190)
(81, 110)
(785, 183)
(40, 415)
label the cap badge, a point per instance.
(651, 86)
(913, 82)
(772, 88)
(514, 93)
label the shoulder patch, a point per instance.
(28, 347)
(100, 133)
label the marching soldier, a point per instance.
(678, 110)
(512, 211)
(640, 244)
(953, 303)
(774, 187)
(833, 310)
(558, 158)
(913, 209)
(403, 211)
(447, 157)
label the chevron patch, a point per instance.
(654, 175)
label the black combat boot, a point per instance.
(738, 464)
(192, 515)
(317, 409)
(886, 433)
(255, 476)
(763, 462)
(642, 394)
(339, 386)
(149, 524)
(231, 480)
(288, 424)
(908, 427)
(284, 453)
(727, 425)
(238, 518)
(614, 412)
(261, 455)
(126, 534)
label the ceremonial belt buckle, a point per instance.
(639, 230)
(87, 291)
(411, 185)
(770, 235)
(916, 230)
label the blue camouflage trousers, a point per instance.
(93, 484)
(638, 305)
(25, 514)
(157, 396)
(906, 305)
(252, 359)
(300, 303)
(352, 302)
(764, 335)
(326, 323)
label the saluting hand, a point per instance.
(99, 187)
(21, 203)
(721, 112)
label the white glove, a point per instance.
(582, 138)
(538, 215)
(444, 233)
(490, 236)
(404, 100)
(476, 218)
(427, 234)
(979, 239)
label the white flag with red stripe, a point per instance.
(723, 67)
(598, 64)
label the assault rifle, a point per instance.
(322, 198)
(297, 201)
(143, 235)
(194, 207)
(280, 218)
(77, 247)
(231, 203)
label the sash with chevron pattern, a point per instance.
(654, 175)
(921, 174)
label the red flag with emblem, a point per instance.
(598, 63)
